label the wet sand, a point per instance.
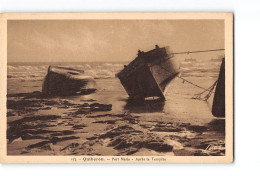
(107, 123)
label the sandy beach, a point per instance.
(107, 123)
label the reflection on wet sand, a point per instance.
(144, 106)
(218, 125)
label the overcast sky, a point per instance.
(108, 40)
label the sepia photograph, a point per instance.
(148, 88)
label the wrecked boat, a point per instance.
(149, 74)
(64, 81)
(218, 107)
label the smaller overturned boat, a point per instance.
(149, 74)
(64, 81)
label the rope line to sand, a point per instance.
(193, 84)
(187, 80)
(210, 89)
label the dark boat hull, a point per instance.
(62, 81)
(149, 74)
(218, 107)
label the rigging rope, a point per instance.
(201, 51)
(193, 83)
(210, 89)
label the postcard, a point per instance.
(116, 88)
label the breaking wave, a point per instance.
(36, 72)
(200, 69)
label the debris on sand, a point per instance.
(23, 104)
(106, 121)
(166, 127)
(32, 128)
(94, 107)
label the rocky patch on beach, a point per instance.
(127, 140)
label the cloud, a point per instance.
(113, 40)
